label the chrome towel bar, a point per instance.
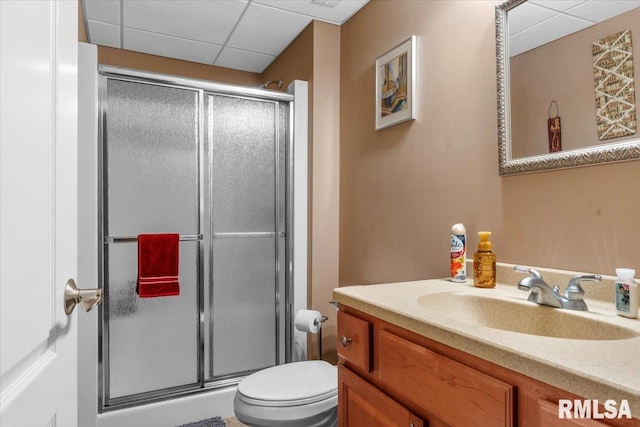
(130, 239)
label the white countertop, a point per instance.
(594, 369)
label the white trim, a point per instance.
(300, 89)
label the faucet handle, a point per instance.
(574, 291)
(531, 271)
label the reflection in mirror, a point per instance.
(566, 84)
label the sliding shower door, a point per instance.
(246, 139)
(151, 185)
(213, 168)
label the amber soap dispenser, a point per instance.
(484, 263)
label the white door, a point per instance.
(38, 211)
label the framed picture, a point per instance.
(395, 84)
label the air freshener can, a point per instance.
(458, 253)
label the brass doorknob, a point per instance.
(87, 298)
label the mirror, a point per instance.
(553, 61)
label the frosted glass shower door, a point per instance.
(246, 143)
(213, 164)
(151, 185)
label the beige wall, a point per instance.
(295, 62)
(82, 30)
(403, 187)
(159, 64)
(315, 56)
(326, 179)
(562, 71)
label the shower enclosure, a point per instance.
(213, 163)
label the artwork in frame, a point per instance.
(395, 84)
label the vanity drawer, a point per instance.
(354, 341)
(453, 392)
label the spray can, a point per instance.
(458, 253)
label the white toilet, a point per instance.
(298, 394)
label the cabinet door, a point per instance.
(361, 404)
(455, 393)
(548, 417)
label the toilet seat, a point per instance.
(290, 395)
(291, 384)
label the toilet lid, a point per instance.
(291, 384)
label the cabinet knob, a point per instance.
(344, 341)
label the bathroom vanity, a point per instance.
(409, 357)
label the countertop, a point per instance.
(594, 369)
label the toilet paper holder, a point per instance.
(310, 321)
(322, 320)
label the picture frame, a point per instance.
(395, 84)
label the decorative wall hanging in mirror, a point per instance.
(395, 84)
(555, 130)
(558, 54)
(614, 82)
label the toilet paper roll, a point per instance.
(308, 321)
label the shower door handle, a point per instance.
(87, 298)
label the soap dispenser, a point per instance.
(626, 293)
(484, 263)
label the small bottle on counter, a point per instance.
(626, 293)
(484, 263)
(458, 253)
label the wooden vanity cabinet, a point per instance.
(364, 405)
(389, 376)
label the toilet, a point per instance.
(298, 394)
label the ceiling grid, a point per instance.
(245, 35)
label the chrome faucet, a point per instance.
(542, 293)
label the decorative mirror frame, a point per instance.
(606, 153)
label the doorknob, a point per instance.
(87, 298)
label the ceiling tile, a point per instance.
(104, 34)
(103, 10)
(557, 5)
(338, 14)
(252, 32)
(267, 30)
(171, 47)
(243, 60)
(205, 21)
(549, 30)
(597, 11)
(530, 27)
(527, 15)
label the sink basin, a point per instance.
(522, 316)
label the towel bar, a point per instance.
(131, 239)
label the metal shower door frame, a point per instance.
(204, 88)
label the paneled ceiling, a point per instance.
(244, 35)
(537, 22)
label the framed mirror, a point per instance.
(566, 83)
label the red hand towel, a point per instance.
(158, 256)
